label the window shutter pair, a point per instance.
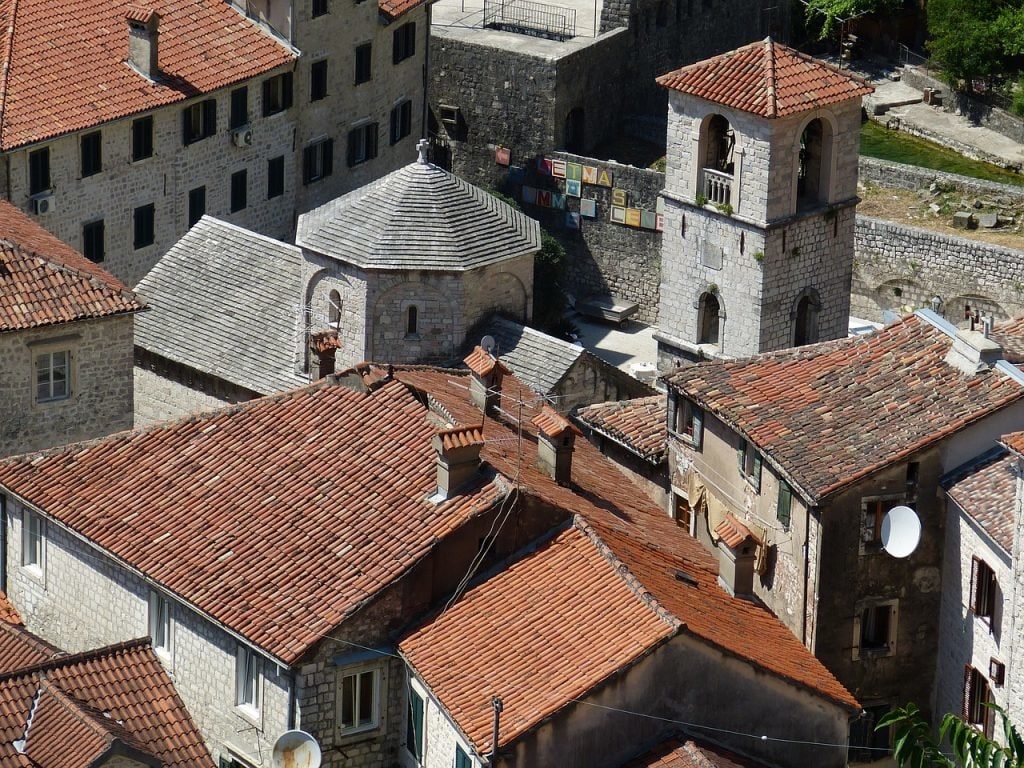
(975, 603)
(698, 427)
(286, 90)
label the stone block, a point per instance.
(988, 220)
(964, 220)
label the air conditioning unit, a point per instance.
(242, 137)
(43, 203)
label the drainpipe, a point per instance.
(807, 568)
(497, 706)
(292, 701)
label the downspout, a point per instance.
(292, 701)
(807, 569)
(497, 705)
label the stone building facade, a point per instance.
(760, 189)
(330, 97)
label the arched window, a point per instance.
(814, 163)
(708, 319)
(717, 143)
(411, 320)
(805, 319)
(334, 309)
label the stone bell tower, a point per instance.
(760, 192)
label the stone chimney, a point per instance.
(973, 352)
(143, 33)
(555, 444)
(458, 458)
(324, 346)
(486, 372)
(737, 554)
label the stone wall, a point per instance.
(100, 375)
(899, 268)
(80, 598)
(901, 176)
(159, 397)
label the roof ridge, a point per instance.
(75, 658)
(5, 77)
(56, 263)
(773, 108)
(629, 579)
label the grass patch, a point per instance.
(877, 141)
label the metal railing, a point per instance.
(530, 18)
(717, 186)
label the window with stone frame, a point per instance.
(53, 375)
(199, 121)
(239, 115)
(318, 80)
(277, 94)
(977, 695)
(875, 628)
(319, 8)
(91, 152)
(275, 177)
(248, 681)
(364, 63)
(33, 540)
(687, 421)
(784, 504)
(360, 691)
(94, 240)
(403, 42)
(143, 226)
(984, 589)
(872, 512)
(318, 161)
(748, 459)
(160, 624)
(39, 171)
(362, 144)
(142, 138)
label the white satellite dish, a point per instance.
(901, 531)
(296, 749)
(488, 344)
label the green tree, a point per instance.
(975, 38)
(914, 746)
(823, 15)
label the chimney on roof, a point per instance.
(324, 346)
(458, 458)
(143, 34)
(737, 556)
(486, 372)
(973, 352)
(555, 441)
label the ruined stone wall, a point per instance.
(899, 268)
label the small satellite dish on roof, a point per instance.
(901, 531)
(296, 749)
(489, 345)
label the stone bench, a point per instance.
(608, 308)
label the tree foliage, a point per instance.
(972, 39)
(914, 746)
(823, 15)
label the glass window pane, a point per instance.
(366, 698)
(348, 698)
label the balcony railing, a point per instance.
(717, 187)
(530, 18)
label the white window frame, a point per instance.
(248, 681)
(161, 624)
(50, 366)
(356, 673)
(33, 554)
(750, 464)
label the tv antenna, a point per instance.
(901, 531)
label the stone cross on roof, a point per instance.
(422, 146)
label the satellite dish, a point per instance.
(901, 531)
(488, 344)
(296, 749)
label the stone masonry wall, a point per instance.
(81, 599)
(1015, 592)
(901, 176)
(100, 384)
(158, 398)
(899, 267)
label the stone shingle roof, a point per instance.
(89, 703)
(226, 301)
(638, 425)
(64, 67)
(540, 360)
(419, 217)
(766, 79)
(630, 530)
(277, 517)
(986, 489)
(44, 281)
(829, 414)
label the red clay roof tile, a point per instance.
(483, 363)
(766, 79)
(986, 490)
(674, 753)
(638, 424)
(890, 388)
(44, 281)
(732, 531)
(393, 9)
(553, 424)
(64, 63)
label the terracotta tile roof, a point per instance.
(91, 700)
(1014, 441)
(482, 363)
(44, 280)
(393, 9)
(986, 489)
(732, 531)
(8, 613)
(676, 753)
(637, 532)
(766, 79)
(1010, 336)
(460, 437)
(277, 517)
(638, 425)
(553, 424)
(19, 648)
(891, 388)
(516, 631)
(65, 69)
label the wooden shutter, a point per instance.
(757, 472)
(394, 124)
(185, 136)
(328, 157)
(966, 713)
(371, 140)
(307, 164)
(266, 97)
(741, 454)
(209, 117)
(698, 427)
(974, 585)
(352, 141)
(286, 90)
(396, 46)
